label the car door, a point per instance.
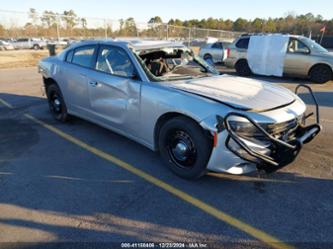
(74, 73)
(20, 43)
(217, 51)
(296, 61)
(25, 44)
(114, 89)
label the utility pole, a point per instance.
(57, 25)
(189, 37)
(106, 29)
(167, 31)
(322, 35)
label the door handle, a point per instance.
(93, 83)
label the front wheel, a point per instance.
(184, 147)
(57, 104)
(320, 74)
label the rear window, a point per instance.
(83, 56)
(243, 43)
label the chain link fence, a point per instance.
(14, 25)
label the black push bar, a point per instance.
(241, 143)
(313, 97)
(282, 149)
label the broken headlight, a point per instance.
(246, 128)
(250, 134)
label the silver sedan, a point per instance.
(163, 96)
(213, 52)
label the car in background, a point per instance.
(29, 43)
(162, 95)
(213, 52)
(58, 42)
(4, 45)
(304, 59)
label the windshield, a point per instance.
(313, 45)
(167, 64)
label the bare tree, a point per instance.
(33, 16)
(49, 20)
(83, 22)
(70, 19)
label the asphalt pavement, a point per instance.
(78, 182)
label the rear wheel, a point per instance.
(57, 104)
(184, 147)
(242, 68)
(36, 47)
(320, 74)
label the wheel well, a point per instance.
(240, 60)
(208, 55)
(48, 82)
(320, 64)
(166, 117)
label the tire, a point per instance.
(242, 68)
(57, 104)
(209, 59)
(184, 147)
(36, 47)
(320, 74)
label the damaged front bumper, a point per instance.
(279, 152)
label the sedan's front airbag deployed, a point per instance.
(266, 54)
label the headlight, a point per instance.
(249, 133)
(246, 128)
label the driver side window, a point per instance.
(114, 61)
(296, 46)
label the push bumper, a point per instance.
(280, 152)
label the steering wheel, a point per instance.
(174, 65)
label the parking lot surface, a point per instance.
(78, 182)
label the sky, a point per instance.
(142, 10)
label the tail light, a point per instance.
(228, 52)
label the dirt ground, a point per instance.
(21, 58)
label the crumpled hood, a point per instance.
(238, 92)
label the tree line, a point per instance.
(69, 24)
(291, 23)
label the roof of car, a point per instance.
(263, 34)
(146, 44)
(136, 44)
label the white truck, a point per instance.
(29, 43)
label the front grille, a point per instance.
(277, 129)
